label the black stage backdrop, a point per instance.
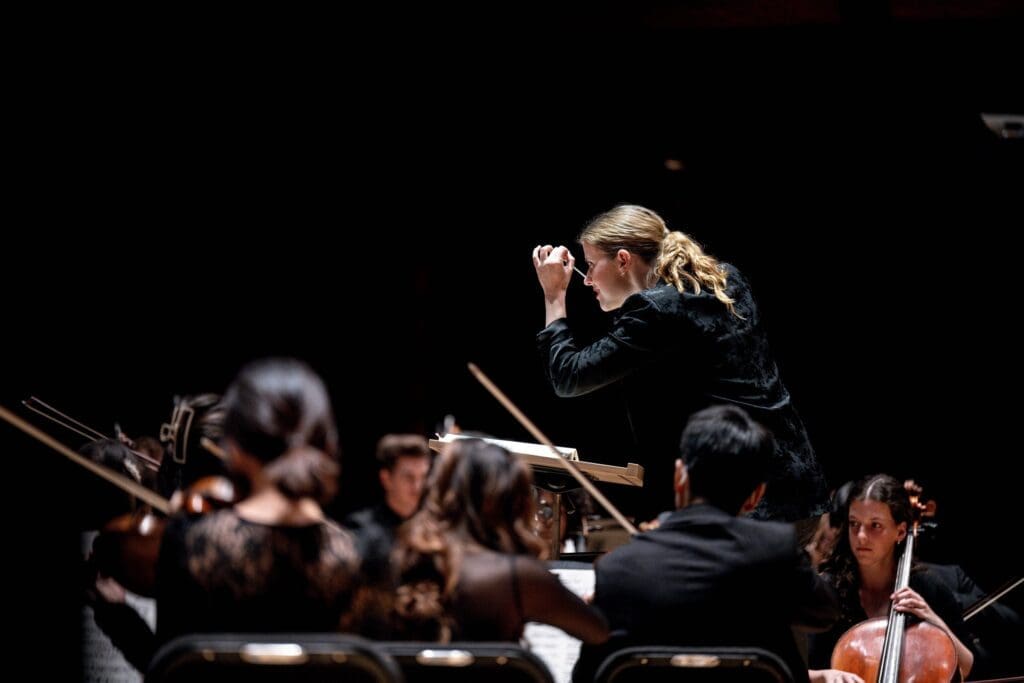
(381, 229)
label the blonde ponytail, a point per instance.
(683, 262)
(675, 257)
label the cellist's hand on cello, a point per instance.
(910, 601)
(833, 676)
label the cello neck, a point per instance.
(889, 664)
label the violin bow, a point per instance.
(568, 465)
(43, 408)
(992, 597)
(119, 480)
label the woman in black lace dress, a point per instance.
(686, 333)
(269, 563)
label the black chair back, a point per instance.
(467, 662)
(268, 657)
(654, 664)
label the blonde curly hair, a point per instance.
(676, 257)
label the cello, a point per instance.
(886, 649)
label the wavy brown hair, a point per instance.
(841, 564)
(478, 495)
(675, 257)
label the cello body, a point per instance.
(888, 649)
(928, 654)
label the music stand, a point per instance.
(551, 476)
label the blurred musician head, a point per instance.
(724, 459)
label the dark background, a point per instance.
(170, 223)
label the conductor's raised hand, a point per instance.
(554, 269)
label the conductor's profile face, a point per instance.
(606, 278)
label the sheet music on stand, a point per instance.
(517, 447)
(556, 648)
(540, 458)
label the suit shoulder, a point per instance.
(625, 556)
(780, 535)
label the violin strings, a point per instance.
(33, 399)
(63, 424)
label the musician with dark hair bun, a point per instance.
(271, 562)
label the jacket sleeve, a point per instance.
(629, 345)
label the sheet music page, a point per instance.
(518, 447)
(556, 648)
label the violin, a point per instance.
(128, 546)
(886, 650)
(146, 460)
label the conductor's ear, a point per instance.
(623, 257)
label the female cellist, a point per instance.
(863, 569)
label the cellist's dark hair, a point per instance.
(841, 564)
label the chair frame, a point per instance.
(284, 650)
(460, 654)
(735, 659)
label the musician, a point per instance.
(714, 576)
(181, 462)
(862, 569)
(404, 461)
(271, 562)
(468, 562)
(685, 333)
(125, 627)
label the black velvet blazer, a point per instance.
(674, 354)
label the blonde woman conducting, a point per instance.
(685, 333)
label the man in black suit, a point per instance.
(706, 575)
